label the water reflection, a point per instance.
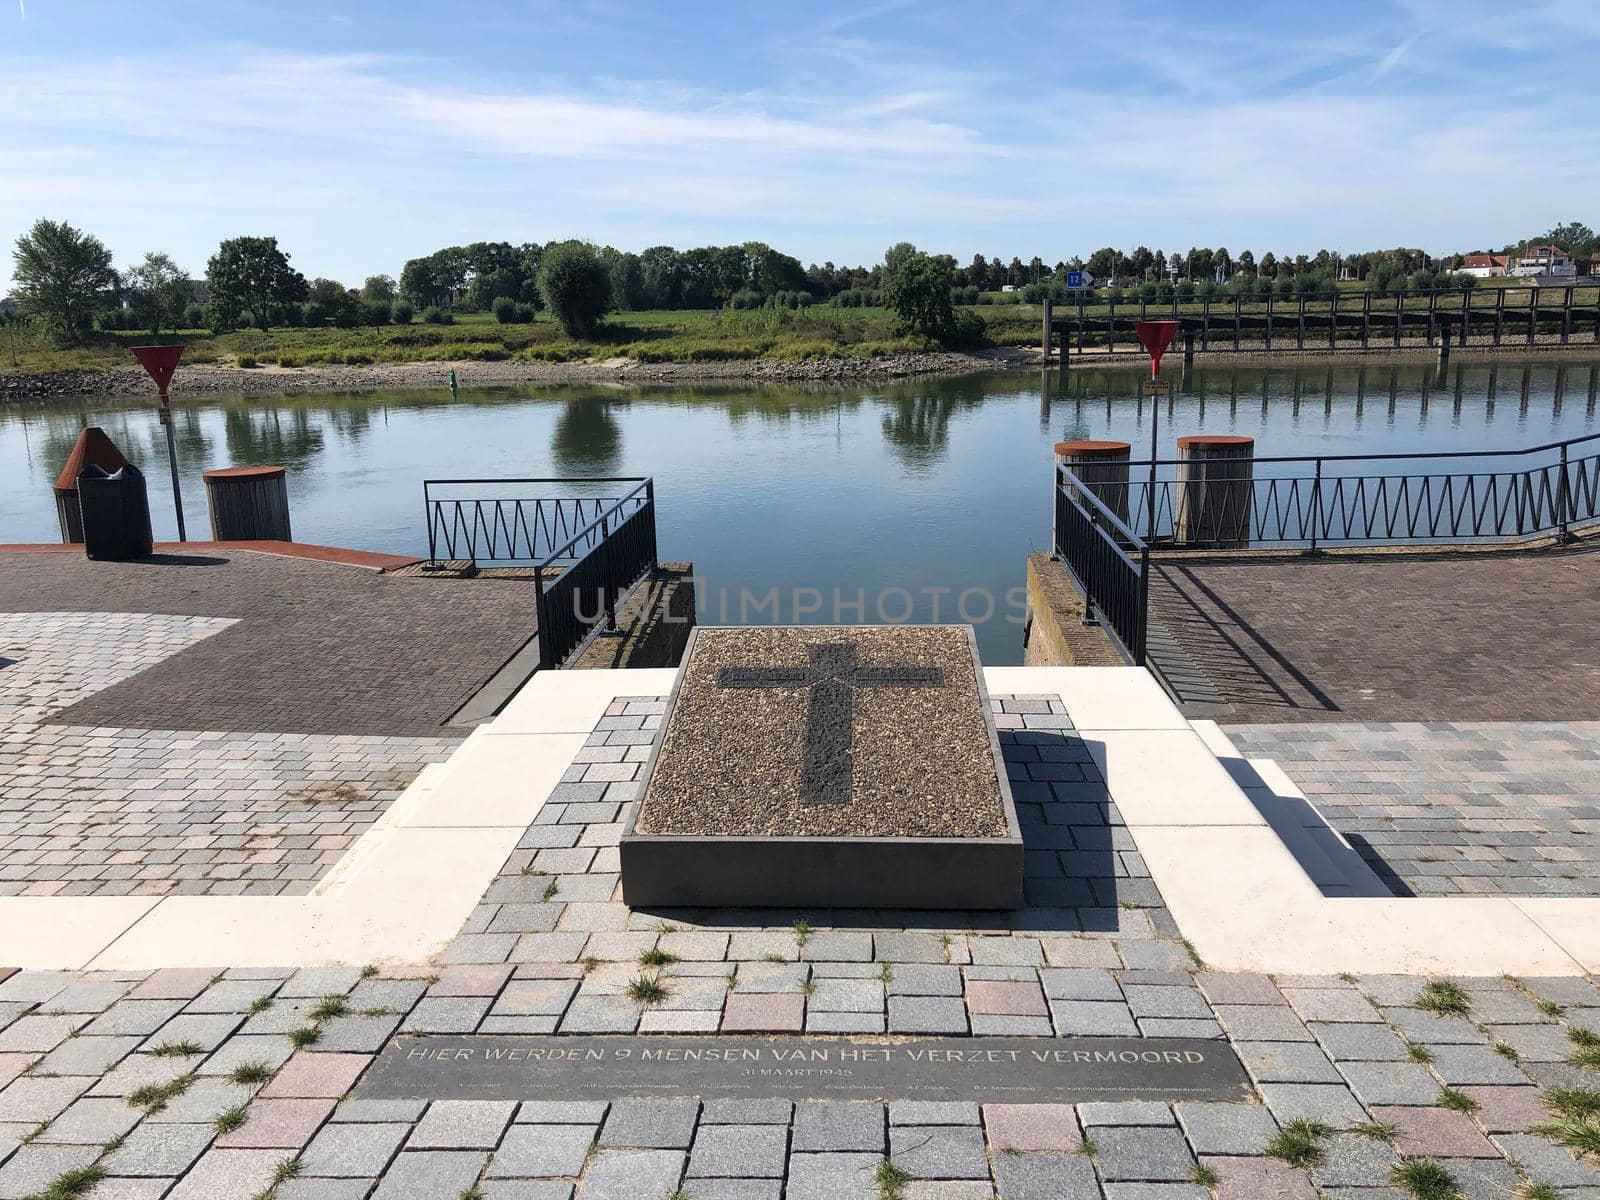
(925, 484)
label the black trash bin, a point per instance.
(116, 514)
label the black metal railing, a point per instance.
(577, 584)
(1311, 502)
(1105, 556)
(495, 521)
(1315, 501)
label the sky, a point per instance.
(363, 134)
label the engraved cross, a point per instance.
(831, 679)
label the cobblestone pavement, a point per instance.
(1453, 808)
(234, 1084)
(311, 647)
(107, 811)
(1504, 637)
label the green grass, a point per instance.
(657, 957)
(176, 1050)
(1419, 1054)
(1203, 1175)
(1575, 1103)
(1378, 1131)
(1424, 1179)
(1551, 1009)
(1444, 998)
(153, 1097)
(1299, 1143)
(330, 1007)
(248, 1074)
(1582, 1137)
(802, 931)
(260, 1004)
(890, 1180)
(1585, 1048)
(647, 990)
(1456, 1101)
(1538, 1191)
(306, 1035)
(228, 1121)
(69, 1185)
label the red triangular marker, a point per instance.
(1155, 337)
(159, 362)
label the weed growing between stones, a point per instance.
(890, 1180)
(248, 1074)
(1457, 1101)
(1424, 1179)
(1299, 1143)
(1444, 998)
(648, 990)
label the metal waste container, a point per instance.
(116, 513)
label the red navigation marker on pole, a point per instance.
(159, 362)
(1155, 337)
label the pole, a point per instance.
(1150, 524)
(172, 461)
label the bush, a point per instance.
(375, 312)
(575, 286)
(434, 315)
(505, 310)
(194, 317)
(248, 361)
(401, 312)
(746, 298)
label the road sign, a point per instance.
(1079, 279)
(1155, 387)
(159, 363)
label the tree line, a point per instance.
(67, 278)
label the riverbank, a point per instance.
(209, 379)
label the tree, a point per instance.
(895, 257)
(250, 275)
(576, 286)
(919, 293)
(157, 291)
(64, 275)
(378, 289)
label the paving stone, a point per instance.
(91, 1121)
(529, 1189)
(173, 983)
(1534, 1043)
(1259, 1179)
(1066, 984)
(562, 1112)
(1156, 1191)
(470, 980)
(1331, 1004)
(1140, 1153)
(740, 1189)
(1391, 1083)
(1508, 1109)
(1148, 1001)
(905, 948)
(739, 1151)
(650, 1124)
(1091, 1018)
(529, 997)
(847, 996)
(228, 1175)
(1484, 1178)
(133, 1018)
(1217, 1128)
(38, 1033)
(832, 1177)
(1353, 1160)
(1262, 1023)
(277, 1124)
(918, 979)
(1031, 1127)
(996, 998)
(358, 1034)
(132, 1189)
(746, 1112)
(316, 1076)
(33, 1168)
(378, 1112)
(206, 1030)
(933, 1112)
(542, 1150)
(927, 1014)
(1080, 952)
(31, 1100)
(462, 1125)
(348, 1151)
(1332, 1104)
(1475, 1064)
(633, 1174)
(138, 1070)
(600, 1014)
(1238, 988)
(986, 1026)
(1006, 951)
(1046, 1177)
(837, 1022)
(272, 1052)
(1360, 1043)
(833, 945)
(1547, 1163)
(835, 1126)
(1435, 1132)
(1417, 1025)
(231, 996)
(939, 1151)
(447, 1014)
(159, 1150)
(430, 1175)
(324, 1189)
(317, 982)
(1179, 1027)
(204, 1100)
(1286, 1062)
(1124, 1112)
(86, 1055)
(772, 1012)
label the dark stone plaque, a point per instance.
(989, 1069)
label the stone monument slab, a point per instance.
(826, 767)
(986, 1070)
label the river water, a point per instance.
(914, 501)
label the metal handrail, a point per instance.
(1417, 455)
(602, 522)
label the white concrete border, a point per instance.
(409, 883)
(1242, 899)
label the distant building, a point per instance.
(1544, 260)
(1008, 287)
(1594, 266)
(1484, 266)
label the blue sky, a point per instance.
(361, 134)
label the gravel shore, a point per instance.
(209, 380)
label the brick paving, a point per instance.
(312, 647)
(1395, 637)
(108, 811)
(1453, 808)
(188, 1084)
